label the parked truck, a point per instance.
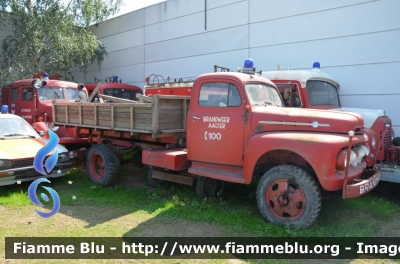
(233, 128)
(316, 89)
(35, 105)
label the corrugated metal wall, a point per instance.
(356, 41)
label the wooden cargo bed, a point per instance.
(161, 114)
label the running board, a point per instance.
(219, 172)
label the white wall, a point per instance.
(356, 41)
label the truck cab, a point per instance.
(35, 106)
(315, 89)
(114, 87)
(238, 129)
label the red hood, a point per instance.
(263, 118)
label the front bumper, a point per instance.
(12, 176)
(359, 187)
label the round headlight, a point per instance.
(373, 141)
(63, 157)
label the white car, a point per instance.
(19, 144)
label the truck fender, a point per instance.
(41, 127)
(319, 150)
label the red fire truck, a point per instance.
(35, 105)
(316, 89)
(114, 87)
(233, 128)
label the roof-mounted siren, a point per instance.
(4, 109)
(45, 76)
(316, 66)
(115, 79)
(249, 67)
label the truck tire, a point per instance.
(207, 187)
(102, 165)
(287, 194)
(228, 187)
(396, 141)
(153, 182)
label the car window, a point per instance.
(47, 93)
(12, 126)
(14, 94)
(219, 95)
(27, 94)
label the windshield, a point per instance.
(72, 94)
(122, 93)
(322, 93)
(15, 127)
(262, 94)
(47, 93)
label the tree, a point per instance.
(51, 35)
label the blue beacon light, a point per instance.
(4, 109)
(115, 78)
(316, 65)
(248, 63)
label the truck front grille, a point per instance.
(20, 163)
(387, 141)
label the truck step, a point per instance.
(171, 177)
(220, 172)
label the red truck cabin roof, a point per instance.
(120, 90)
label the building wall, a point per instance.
(356, 42)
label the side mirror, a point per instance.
(37, 83)
(41, 133)
(286, 93)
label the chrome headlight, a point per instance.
(6, 164)
(373, 141)
(62, 157)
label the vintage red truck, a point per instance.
(232, 129)
(111, 86)
(35, 106)
(316, 89)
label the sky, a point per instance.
(131, 5)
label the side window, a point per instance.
(27, 94)
(14, 94)
(219, 95)
(290, 94)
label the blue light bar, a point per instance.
(115, 78)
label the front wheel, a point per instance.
(102, 165)
(287, 194)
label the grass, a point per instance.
(237, 212)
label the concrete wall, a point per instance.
(356, 41)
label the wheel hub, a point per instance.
(285, 199)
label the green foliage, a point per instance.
(51, 35)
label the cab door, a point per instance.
(216, 124)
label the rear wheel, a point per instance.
(153, 182)
(228, 187)
(207, 187)
(287, 194)
(102, 165)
